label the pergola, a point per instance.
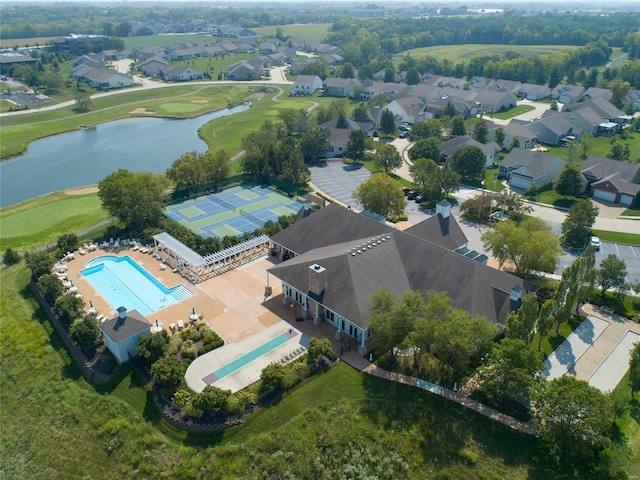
(195, 267)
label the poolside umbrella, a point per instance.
(193, 311)
(157, 323)
(90, 304)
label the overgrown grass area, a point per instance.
(618, 237)
(46, 404)
(457, 53)
(19, 131)
(42, 220)
(313, 31)
(517, 110)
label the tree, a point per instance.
(580, 218)
(427, 129)
(355, 147)
(39, 263)
(634, 368)
(511, 371)
(612, 274)
(457, 126)
(413, 77)
(619, 90)
(545, 320)
(360, 113)
(52, 81)
(521, 324)
(69, 307)
(272, 376)
(319, 347)
(341, 121)
(387, 122)
(347, 70)
(619, 152)
(425, 148)
(434, 182)
(387, 158)
(469, 162)
(499, 135)
(215, 166)
(167, 371)
(11, 257)
(586, 143)
(50, 286)
(187, 171)
(380, 194)
(569, 181)
(315, 143)
(574, 419)
(390, 322)
(85, 331)
(67, 242)
(135, 198)
(530, 246)
(515, 143)
(83, 102)
(586, 275)
(151, 348)
(481, 132)
(211, 398)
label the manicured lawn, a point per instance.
(164, 40)
(618, 237)
(215, 65)
(42, 220)
(600, 146)
(631, 212)
(548, 196)
(315, 31)
(517, 110)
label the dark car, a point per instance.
(419, 199)
(406, 191)
(412, 195)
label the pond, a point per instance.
(87, 156)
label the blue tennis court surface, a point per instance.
(233, 211)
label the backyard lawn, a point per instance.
(517, 110)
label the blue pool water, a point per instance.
(124, 283)
(251, 356)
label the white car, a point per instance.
(595, 241)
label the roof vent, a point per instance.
(358, 250)
(353, 254)
(384, 239)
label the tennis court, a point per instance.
(233, 211)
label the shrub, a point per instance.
(212, 337)
(189, 349)
(11, 257)
(175, 344)
(150, 348)
(210, 346)
(246, 398)
(182, 398)
(85, 331)
(320, 347)
(272, 376)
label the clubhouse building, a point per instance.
(334, 260)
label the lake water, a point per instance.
(87, 156)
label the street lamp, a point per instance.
(493, 192)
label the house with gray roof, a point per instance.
(553, 129)
(632, 96)
(531, 91)
(336, 260)
(181, 74)
(568, 93)
(595, 92)
(339, 87)
(235, 31)
(306, 85)
(245, 70)
(121, 334)
(449, 147)
(102, 78)
(524, 169)
(409, 109)
(611, 180)
(153, 67)
(499, 85)
(526, 139)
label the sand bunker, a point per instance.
(199, 101)
(82, 190)
(143, 110)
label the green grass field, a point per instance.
(42, 220)
(456, 53)
(164, 40)
(315, 31)
(518, 110)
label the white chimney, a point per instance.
(307, 206)
(122, 313)
(443, 207)
(516, 294)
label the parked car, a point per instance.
(412, 195)
(403, 135)
(404, 128)
(419, 199)
(406, 191)
(595, 241)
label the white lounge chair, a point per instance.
(162, 266)
(180, 324)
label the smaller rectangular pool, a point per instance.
(124, 283)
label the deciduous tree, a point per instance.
(425, 148)
(580, 218)
(612, 274)
(481, 132)
(499, 135)
(457, 126)
(315, 143)
(569, 181)
(355, 145)
(69, 307)
(434, 182)
(151, 348)
(381, 194)
(634, 368)
(167, 371)
(427, 129)
(521, 324)
(387, 158)
(85, 331)
(50, 286)
(530, 246)
(387, 122)
(272, 376)
(469, 162)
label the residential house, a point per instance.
(89, 60)
(181, 74)
(391, 90)
(306, 85)
(121, 334)
(525, 169)
(632, 96)
(153, 67)
(611, 180)
(229, 47)
(339, 136)
(102, 78)
(339, 87)
(568, 93)
(234, 31)
(423, 91)
(375, 115)
(182, 54)
(244, 70)
(450, 82)
(268, 47)
(448, 149)
(410, 109)
(552, 130)
(499, 85)
(531, 91)
(296, 67)
(526, 139)
(605, 109)
(336, 260)
(488, 101)
(595, 92)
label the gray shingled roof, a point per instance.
(118, 329)
(331, 238)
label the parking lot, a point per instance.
(338, 180)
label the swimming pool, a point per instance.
(124, 283)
